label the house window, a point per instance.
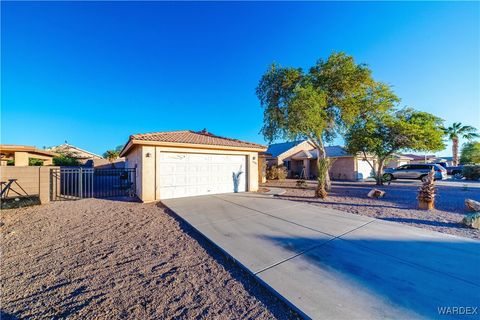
(287, 164)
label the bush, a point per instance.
(63, 160)
(471, 172)
(277, 172)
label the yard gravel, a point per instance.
(120, 260)
(398, 205)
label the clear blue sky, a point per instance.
(94, 73)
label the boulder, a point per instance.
(472, 220)
(376, 193)
(472, 205)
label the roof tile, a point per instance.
(194, 137)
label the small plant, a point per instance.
(426, 193)
(236, 180)
(277, 172)
(301, 183)
(471, 172)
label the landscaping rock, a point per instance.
(472, 205)
(376, 193)
(472, 220)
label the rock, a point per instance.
(472, 205)
(375, 193)
(472, 220)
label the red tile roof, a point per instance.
(195, 137)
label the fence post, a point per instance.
(80, 187)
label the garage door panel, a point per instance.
(183, 175)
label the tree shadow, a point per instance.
(412, 278)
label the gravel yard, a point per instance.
(399, 204)
(107, 260)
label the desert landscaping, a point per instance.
(108, 259)
(398, 205)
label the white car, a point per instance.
(415, 171)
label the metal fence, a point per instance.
(72, 183)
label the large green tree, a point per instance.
(113, 154)
(470, 153)
(315, 105)
(384, 133)
(457, 131)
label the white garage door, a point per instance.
(192, 174)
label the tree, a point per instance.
(65, 160)
(112, 155)
(454, 132)
(470, 153)
(314, 105)
(384, 133)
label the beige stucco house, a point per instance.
(83, 156)
(20, 155)
(297, 156)
(189, 163)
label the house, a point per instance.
(298, 156)
(21, 155)
(83, 156)
(398, 160)
(187, 163)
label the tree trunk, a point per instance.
(324, 183)
(322, 168)
(455, 151)
(379, 175)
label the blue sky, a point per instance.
(93, 73)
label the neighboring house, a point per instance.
(20, 155)
(424, 158)
(188, 163)
(429, 158)
(83, 156)
(301, 155)
(398, 160)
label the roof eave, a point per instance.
(133, 142)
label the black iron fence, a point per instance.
(71, 183)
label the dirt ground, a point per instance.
(117, 260)
(398, 205)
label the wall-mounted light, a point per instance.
(254, 158)
(148, 155)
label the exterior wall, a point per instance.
(34, 180)
(134, 160)
(396, 163)
(21, 159)
(147, 167)
(343, 169)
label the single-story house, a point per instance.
(398, 160)
(20, 155)
(187, 163)
(298, 156)
(417, 159)
(83, 156)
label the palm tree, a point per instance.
(454, 132)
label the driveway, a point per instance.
(330, 264)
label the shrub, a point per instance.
(276, 172)
(63, 160)
(471, 172)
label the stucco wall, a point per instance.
(134, 160)
(34, 180)
(148, 166)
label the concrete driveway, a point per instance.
(334, 265)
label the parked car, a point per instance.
(456, 171)
(415, 171)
